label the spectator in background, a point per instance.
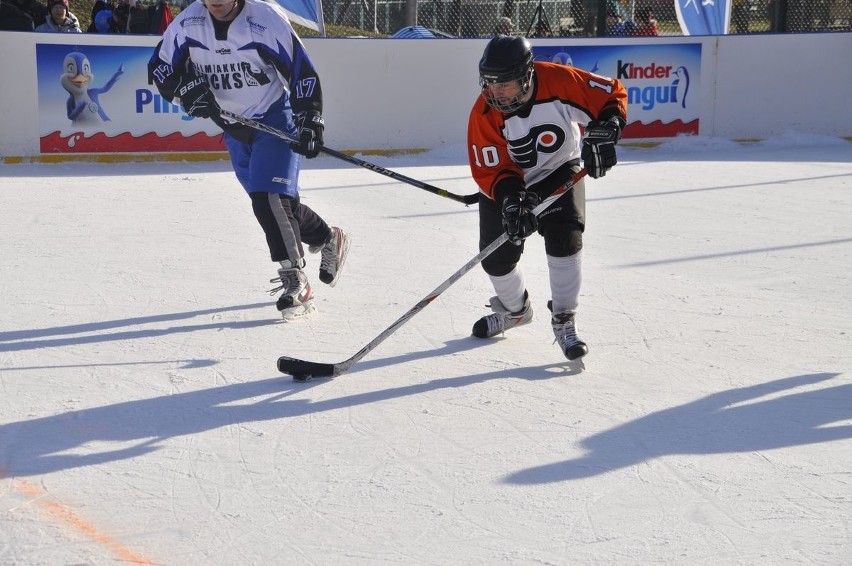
(13, 18)
(120, 17)
(542, 29)
(97, 8)
(647, 24)
(139, 18)
(103, 21)
(36, 10)
(60, 19)
(160, 17)
(616, 24)
(109, 17)
(504, 26)
(590, 17)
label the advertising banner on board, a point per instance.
(662, 82)
(96, 99)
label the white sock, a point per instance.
(510, 289)
(565, 278)
(290, 264)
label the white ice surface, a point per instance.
(142, 419)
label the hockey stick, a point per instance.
(464, 199)
(302, 370)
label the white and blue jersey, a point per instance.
(257, 67)
(249, 62)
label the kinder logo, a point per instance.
(652, 71)
(674, 91)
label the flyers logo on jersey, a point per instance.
(544, 138)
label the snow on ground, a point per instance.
(142, 419)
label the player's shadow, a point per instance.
(450, 347)
(756, 418)
(761, 417)
(96, 332)
(459, 345)
(131, 429)
(762, 251)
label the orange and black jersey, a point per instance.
(538, 139)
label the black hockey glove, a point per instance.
(599, 146)
(518, 218)
(196, 97)
(310, 125)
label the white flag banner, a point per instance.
(306, 13)
(703, 17)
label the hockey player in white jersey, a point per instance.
(244, 56)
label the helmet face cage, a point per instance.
(524, 79)
(506, 59)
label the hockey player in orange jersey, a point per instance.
(524, 142)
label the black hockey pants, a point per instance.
(287, 223)
(561, 225)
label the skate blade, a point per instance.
(576, 366)
(295, 313)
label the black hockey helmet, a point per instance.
(505, 59)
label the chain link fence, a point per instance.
(576, 18)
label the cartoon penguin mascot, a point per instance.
(681, 84)
(82, 105)
(563, 58)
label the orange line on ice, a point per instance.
(69, 518)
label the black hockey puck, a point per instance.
(302, 377)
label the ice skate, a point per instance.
(565, 332)
(297, 298)
(334, 253)
(502, 320)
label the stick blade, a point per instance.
(302, 370)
